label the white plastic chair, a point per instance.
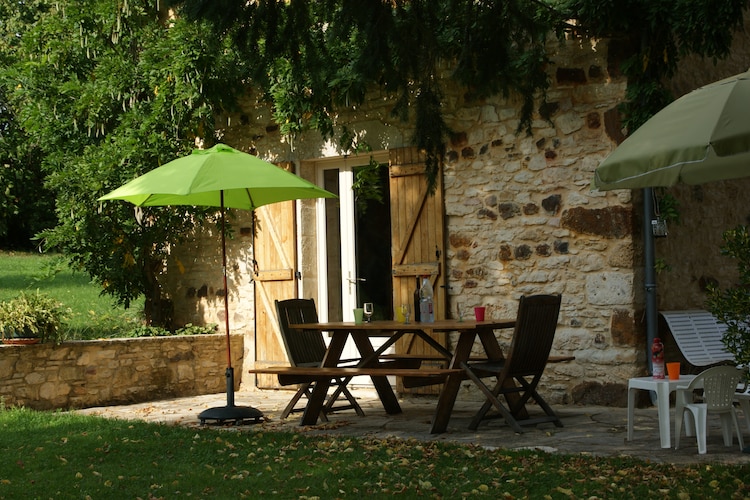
(719, 385)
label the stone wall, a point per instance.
(692, 249)
(520, 215)
(83, 374)
(523, 220)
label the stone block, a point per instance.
(609, 288)
(624, 330)
(34, 378)
(609, 222)
(569, 123)
(601, 394)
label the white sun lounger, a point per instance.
(698, 335)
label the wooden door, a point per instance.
(417, 239)
(275, 252)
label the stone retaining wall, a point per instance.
(82, 374)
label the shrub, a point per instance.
(32, 315)
(732, 306)
(156, 331)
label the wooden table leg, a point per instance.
(447, 399)
(382, 385)
(317, 398)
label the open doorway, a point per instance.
(372, 230)
(355, 255)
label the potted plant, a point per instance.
(31, 318)
(732, 305)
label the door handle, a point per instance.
(353, 282)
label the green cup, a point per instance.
(359, 314)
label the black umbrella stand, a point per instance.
(230, 412)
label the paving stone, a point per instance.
(590, 430)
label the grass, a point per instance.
(91, 315)
(60, 455)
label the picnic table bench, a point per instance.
(378, 364)
(289, 375)
(375, 363)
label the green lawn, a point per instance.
(57, 455)
(91, 315)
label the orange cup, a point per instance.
(479, 313)
(673, 371)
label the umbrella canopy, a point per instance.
(201, 178)
(701, 137)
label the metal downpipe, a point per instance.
(649, 273)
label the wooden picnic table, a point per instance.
(377, 359)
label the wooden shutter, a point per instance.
(275, 251)
(417, 238)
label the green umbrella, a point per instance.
(701, 137)
(226, 178)
(203, 177)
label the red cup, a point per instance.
(479, 313)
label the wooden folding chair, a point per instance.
(519, 373)
(306, 348)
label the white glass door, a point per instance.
(337, 250)
(354, 256)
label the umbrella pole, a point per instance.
(230, 370)
(226, 287)
(230, 412)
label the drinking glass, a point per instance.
(406, 311)
(369, 309)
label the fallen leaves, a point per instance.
(146, 461)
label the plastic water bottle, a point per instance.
(657, 359)
(426, 304)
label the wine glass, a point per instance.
(369, 309)
(406, 311)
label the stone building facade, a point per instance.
(521, 218)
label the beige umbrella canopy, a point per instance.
(701, 137)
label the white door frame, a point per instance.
(345, 165)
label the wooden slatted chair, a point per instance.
(519, 373)
(306, 349)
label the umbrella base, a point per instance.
(226, 414)
(230, 412)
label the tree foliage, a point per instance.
(107, 91)
(732, 305)
(96, 92)
(656, 35)
(313, 56)
(26, 207)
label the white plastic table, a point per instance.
(662, 388)
(743, 398)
